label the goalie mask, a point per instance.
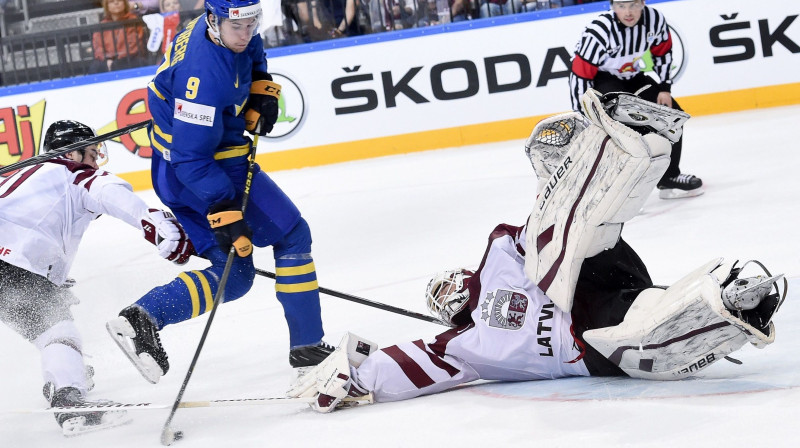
(245, 13)
(447, 294)
(639, 114)
(66, 132)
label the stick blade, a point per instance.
(168, 436)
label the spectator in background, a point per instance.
(493, 8)
(166, 6)
(401, 14)
(144, 7)
(344, 18)
(537, 5)
(192, 5)
(460, 10)
(121, 47)
(429, 14)
(174, 6)
(309, 19)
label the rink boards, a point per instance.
(420, 89)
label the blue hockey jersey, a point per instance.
(196, 99)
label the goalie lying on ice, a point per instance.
(565, 295)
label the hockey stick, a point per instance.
(167, 434)
(72, 147)
(263, 401)
(363, 301)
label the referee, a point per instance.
(608, 58)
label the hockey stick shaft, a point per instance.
(265, 401)
(167, 435)
(363, 301)
(72, 147)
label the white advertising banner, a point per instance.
(470, 74)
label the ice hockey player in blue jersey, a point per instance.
(211, 87)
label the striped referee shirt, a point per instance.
(608, 45)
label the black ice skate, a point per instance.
(74, 422)
(302, 358)
(137, 336)
(680, 186)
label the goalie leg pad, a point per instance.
(549, 142)
(599, 185)
(671, 334)
(331, 381)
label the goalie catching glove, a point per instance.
(261, 110)
(227, 222)
(162, 230)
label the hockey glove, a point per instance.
(226, 220)
(261, 110)
(163, 231)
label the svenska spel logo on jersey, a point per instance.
(291, 107)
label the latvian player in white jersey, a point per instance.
(564, 295)
(44, 211)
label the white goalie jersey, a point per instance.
(517, 334)
(46, 208)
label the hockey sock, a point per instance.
(297, 290)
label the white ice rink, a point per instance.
(381, 227)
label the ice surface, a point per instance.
(381, 227)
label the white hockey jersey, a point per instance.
(516, 333)
(45, 208)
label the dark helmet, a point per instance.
(65, 132)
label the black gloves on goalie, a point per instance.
(230, 228)
(261, 110)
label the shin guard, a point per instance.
(602, 181)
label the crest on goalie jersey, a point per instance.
(505, 309)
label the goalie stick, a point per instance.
(363, 301)
(72, 147)
(262, 401)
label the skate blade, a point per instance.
(676, 193)
(122, 332)
(77, 426)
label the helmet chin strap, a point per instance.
(213, 30)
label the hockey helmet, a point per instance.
(447, 294)
(66, 132)
(232, 10)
